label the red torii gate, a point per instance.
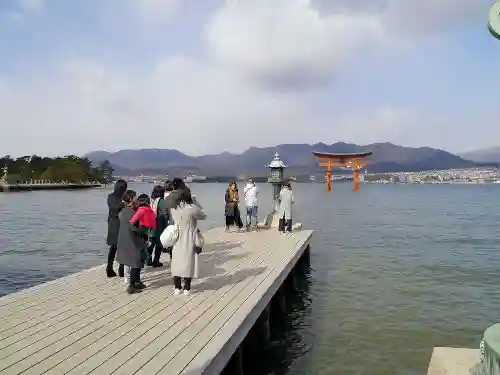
(354, 161)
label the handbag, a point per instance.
(170, 236)
(199, 241)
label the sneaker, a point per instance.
(149, 261)
(140, 285)
(177, 292)
(186, 292)
(157, 264)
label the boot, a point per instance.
(132, 289)
(121, 270)
(156, 261)
(111, 259)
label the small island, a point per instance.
(44, 173)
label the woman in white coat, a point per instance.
(285, 210)
(185, 214)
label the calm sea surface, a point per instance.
(395, 270)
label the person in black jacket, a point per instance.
(115, 205)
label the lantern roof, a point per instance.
(276, 162)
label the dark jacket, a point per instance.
(131, 244)
(114, 207)
(231, 208)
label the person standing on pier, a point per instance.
(132, 242)
(184, 253)
(285, 209)
(232, 211)
(168, 188)
(172, 199)
(161, 213)
(251, 192)
(114, 207)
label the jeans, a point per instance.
(155, 247)
(285, 225)
(251, 213)
(187, 283)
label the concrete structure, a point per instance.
(86, 323)
(453, 361)
(277, 168)
(494, 20)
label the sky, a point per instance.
(207, 76)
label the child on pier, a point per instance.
(144, 218)
(132, 241)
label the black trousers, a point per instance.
(155, 247)
(235, 219)
(177, 283)
(135, 276)
(111, 255)
(285, 225)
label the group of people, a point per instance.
(136, 224)
(251, 197)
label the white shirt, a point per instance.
(251, 192)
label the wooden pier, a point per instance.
(85, 323)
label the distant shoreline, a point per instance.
(12, 188)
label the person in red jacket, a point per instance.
(144, 218)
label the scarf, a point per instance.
(233, 195)
(154, 205)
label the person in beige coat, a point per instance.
(186, 213)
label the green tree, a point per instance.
(69, 168)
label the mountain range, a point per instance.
(387, 157)
(486, 155)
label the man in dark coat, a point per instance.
(115, 205)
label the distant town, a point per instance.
(450, 176)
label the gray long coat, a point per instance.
(131, 246)
(286, 204)
(183, 255)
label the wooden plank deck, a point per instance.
(85, 323)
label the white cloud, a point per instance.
(305, 42)
(32, 5)
(154, 13)
(288, 41)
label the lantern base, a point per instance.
(272, 222)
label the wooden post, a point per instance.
(235, 365)
(306, 256)
(278, 303)
(265, 324)
(328, 177)
(355, 173)
(291, 280)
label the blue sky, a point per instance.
(211, 76)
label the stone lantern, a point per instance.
(277, 168)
